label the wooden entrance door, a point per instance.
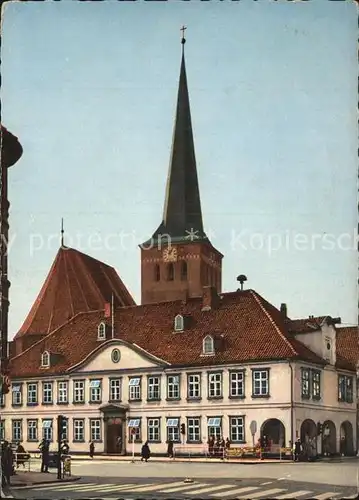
(114, 435)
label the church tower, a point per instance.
(179, 260)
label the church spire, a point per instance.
(62, 233)
(182, 215)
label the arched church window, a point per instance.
(157, 273)
(170, 272)
(183, 270)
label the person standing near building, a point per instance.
(92, 449)
(45, 452)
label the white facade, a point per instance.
(120, 382)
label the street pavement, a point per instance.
(139, 480)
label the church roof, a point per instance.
(182, 214)
(245, 326)
(76, 283)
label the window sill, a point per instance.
(16, 405)
(304, 396)
(32, 440)
(115, 400)
(95, 402)
(62, 403)
(194, 399)
(153, 400)
(238, 442)
(47, 404)
(155, 442)
(193, 442)
(135, 400)
(236, 397)
(78, 441)
(214, 397)
(316, 398)
(95, 441)
(173, 399)
(78, 402)
(260, 396)
(32, 404)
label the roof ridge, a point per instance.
(257, 297)
(55, 331)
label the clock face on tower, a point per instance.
(169, 254)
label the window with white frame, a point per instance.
(260, 382)
(194, 385)
(134, 425)
(305, 383)
(134, 389)
(215, 385)
(236, 384)
(79, 391)
(179, 323)
(63, 392)
(47, 393)
(193, 429)
(173, 387)
(47, 429)
(208, 345)
(95, 391)
(316, 384)
(101, 331)
(32, 393)
(16, 391)
(173, 431)
(95, 429)
(79, 430)
(345, 388)
(32, 432)
(2, 430)
(45, 359)
(2, 399)
(16, 430)
(115, 389)
(153, 388)
(236, 429)
(214, 426)
(153, 430)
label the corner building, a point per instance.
(189, 354)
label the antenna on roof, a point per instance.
(241, 278)
(62, 233)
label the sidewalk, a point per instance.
(27, 478)
(128, 458)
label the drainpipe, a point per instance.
(291, 402)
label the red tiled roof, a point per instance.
(305, 325)
(76, 283)
(347, 347)
(250, 329)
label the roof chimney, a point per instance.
(283, 310)
(210, 298)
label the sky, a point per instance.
(90, 89)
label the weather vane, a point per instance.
(183, 41)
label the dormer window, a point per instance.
(179, 323)
(45, 359)
(101, 331)
(208, 345)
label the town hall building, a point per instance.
(191, 361)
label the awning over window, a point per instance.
(214, 422)
(134, 423)
(46, 424)
(16, 388)
(95, 383)
(134, 381)
(172, 422)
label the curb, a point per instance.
(186, 460)
(35, 483)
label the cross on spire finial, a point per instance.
(62, 233)
(183, 41)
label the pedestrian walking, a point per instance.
(7, 459)
(210, 445)
(297, 450)
(170, 448)
(145, 452)
(45, 455)
(92, 449)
